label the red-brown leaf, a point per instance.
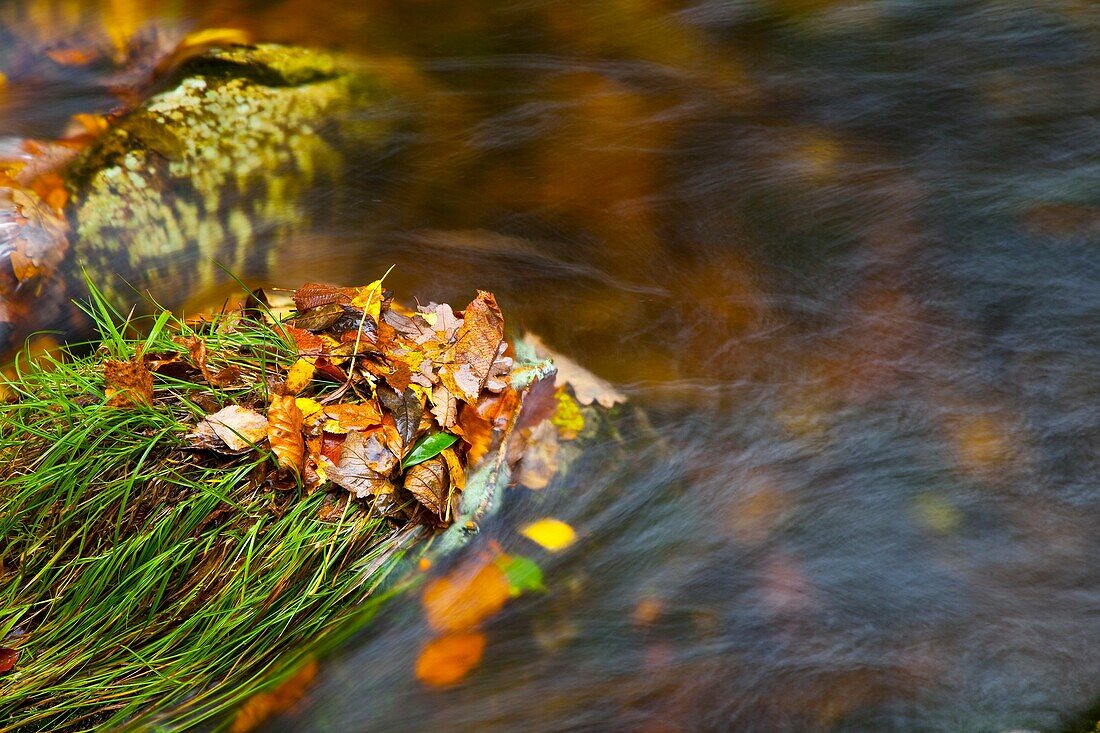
(477, 345)
(128, 383)
(8, 658)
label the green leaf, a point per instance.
(522, 572)
(428, 447)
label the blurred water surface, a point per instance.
(843, 253)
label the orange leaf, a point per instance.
(446, 660)
(476, 431)
(355, 416)
(264, 705)
(464, 598)
(284, 432)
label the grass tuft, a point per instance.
(137, 573)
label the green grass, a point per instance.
(148, 576)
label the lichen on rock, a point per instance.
(216, 168)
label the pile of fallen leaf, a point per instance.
(393, 405)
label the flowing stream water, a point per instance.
(844, 254)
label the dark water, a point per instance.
(845, 255)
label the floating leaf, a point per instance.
(523, 574)
(539, 462)
(284, 432)
(428, 447)
(552, 534)
(587, 387)
(446, 660)
(264, 705)
(568, 418)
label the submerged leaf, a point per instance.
(428, 447)
(465, 597)
(523, 574)
(446, 660)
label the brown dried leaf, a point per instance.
(428, 482)
(444, 407)
(284, 432)
(414, 328)
(441, 319)
(476, 431)
(196, 349)
(406, 409)
(477, 346)
(315, 295)
(237, 427)
(128, 383)
(319, 318)
(309, 344)
(365, 465)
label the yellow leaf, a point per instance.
(370, 299)
(308, 406)
(552, 534)
(567, 418)
(299, 376)
(334, 427)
